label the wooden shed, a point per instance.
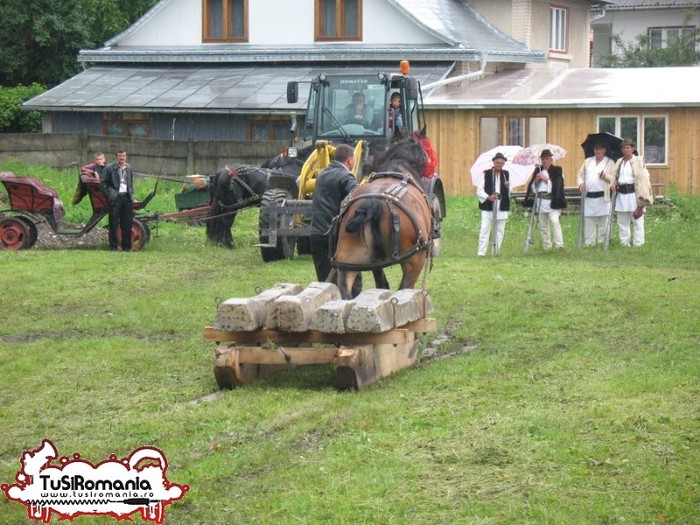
(659, 108)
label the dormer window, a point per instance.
(338, 20)
(225, 20)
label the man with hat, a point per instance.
(594, 180)
(493, 191)
(633, 187)
(547, 183)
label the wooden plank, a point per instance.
(359, 366)
(422, 326)
(264, 335)
(285, 356)
(227, 369)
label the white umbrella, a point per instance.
(518, 173)
(531, 155)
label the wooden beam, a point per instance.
(285, 356)
(262, 336)
(356, 367)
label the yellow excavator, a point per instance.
(335, 116)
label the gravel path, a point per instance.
(48, 239)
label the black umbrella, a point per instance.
(611, 142)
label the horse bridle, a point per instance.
(235, 178)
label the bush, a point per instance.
(12, 118)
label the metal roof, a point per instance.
(652, 4)
(600, 88)
(197, 89)
(459, 24)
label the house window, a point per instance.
(338, 20)
(652, 128)
(225, 20)
(127, 125)
(558, 34)
(512, 130)
(261, 128)
(661, 37)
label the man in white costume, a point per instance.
(594, 180)
(633, 188)
(547, 182)
(493, 191)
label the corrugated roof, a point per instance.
(544, 88)
(197, 89)
(459, 24)
(650, 4)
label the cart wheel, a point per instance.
(33, 232)
(284, 249)
(14, 234)
(140, 235)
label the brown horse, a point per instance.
(386, 221)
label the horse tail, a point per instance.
(369, 210)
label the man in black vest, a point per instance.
(547, 181)
(494, 190)
(117, 183)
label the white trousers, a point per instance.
(624, 218)
(485, 234)
(546, 220)
(591, 234)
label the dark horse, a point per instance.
(387, 220)
(233, 187)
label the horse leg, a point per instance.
(227, 230)
(411, 270)
(346, 280)
(380, 279)
(214, 226)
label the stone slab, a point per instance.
(250, 313)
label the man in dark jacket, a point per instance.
(333, 184)
(117, 183)
(548, 182)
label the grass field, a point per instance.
(561, 387)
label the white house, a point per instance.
(217, 69)
(662, 20)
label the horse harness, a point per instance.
(393, 196)
(234, 179)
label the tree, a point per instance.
(12, 118)
(644, 52)
(40, 41)
(108, 18)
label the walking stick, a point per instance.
(608, 227)
(533, 215)
(579, 244)
(495, 223)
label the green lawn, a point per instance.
(560, 388)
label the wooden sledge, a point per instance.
(280, 332)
